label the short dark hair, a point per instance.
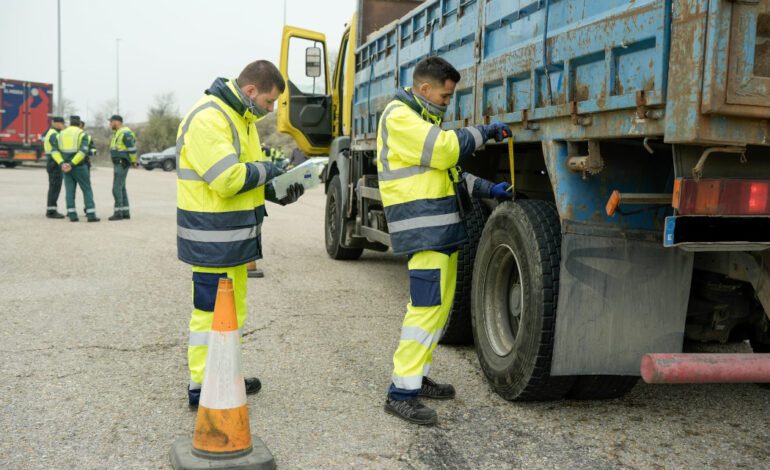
(57, 119)
(434, 69)
(264, 75)
(82, 124)
(74, 120)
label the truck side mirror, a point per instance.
(313, 62)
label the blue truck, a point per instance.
(639, 158)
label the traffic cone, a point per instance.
(222, 438)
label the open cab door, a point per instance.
(305, 107)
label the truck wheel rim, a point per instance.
(331, 217)
(503, 299)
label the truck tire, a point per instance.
(169, 165)
(458, 327)
(334, 223)
(601, 387)
(514, 298)
(149, 168)
(10, 164)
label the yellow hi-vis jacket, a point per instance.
(48, 140)
(221, 174)
(418, 176)
(123, 145)
(72, 148)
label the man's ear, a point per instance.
(249, 90)
(424, 88)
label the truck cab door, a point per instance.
(305, 107)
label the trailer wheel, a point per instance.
(10, 164)
(458, 327)
(601, 387)
(514, 298)
(334, 223)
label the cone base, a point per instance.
(182, 457)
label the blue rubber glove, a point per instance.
(498, 131)
(501, 191)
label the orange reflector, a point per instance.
(612, 204)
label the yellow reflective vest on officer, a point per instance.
(48, 144)
(418, 176)
(123, 144)
(73, 148)
(220, 181)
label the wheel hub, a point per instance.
(503, 300)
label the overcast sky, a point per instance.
(166, 45)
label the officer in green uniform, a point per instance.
(91, 152)
(123, 154)
(73, 146)
(50, 140)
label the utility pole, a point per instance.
(58, 32)
(117, 75)
(284, 11)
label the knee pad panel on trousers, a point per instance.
(205, 290)
(425, 287)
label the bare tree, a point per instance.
(68, 107)
(165, 105)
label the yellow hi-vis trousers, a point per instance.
(432, 280)
(204, 290)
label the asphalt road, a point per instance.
(94, 326)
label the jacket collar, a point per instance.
(224, 89)
(406, 96)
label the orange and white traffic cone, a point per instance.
(222, 438)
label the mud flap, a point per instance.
(618, 299)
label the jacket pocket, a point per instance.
(205, 290)
(425, 287)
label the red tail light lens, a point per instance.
(722, 197)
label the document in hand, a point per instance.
(308, 174)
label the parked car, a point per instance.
(165, 159)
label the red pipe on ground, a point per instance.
(668, 368)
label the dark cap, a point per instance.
(116, 117)
(57, 119)
(74, 120)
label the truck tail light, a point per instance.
(721, 197)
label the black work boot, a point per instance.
(94, 219)
(54, 215)
(74, 219)
(253, 385)
(411, 410)
(116, 216)
(126, 215)
(431, 389)
(258, 273)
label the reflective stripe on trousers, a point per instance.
(432, 279)
(201, 318)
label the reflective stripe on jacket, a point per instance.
(220, 182)
(417, 176)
